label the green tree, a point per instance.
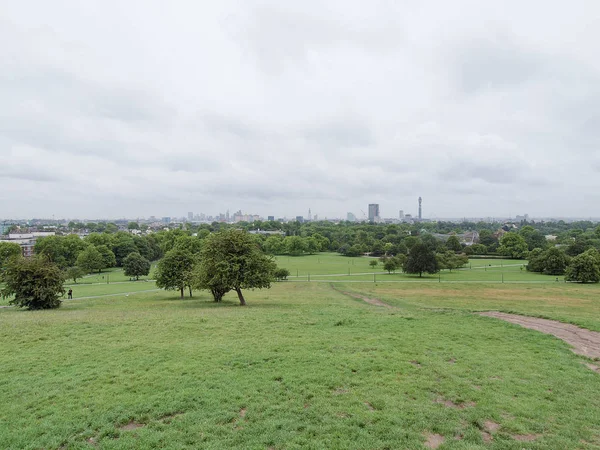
(295, 245)
(555, 261)
(174, 271)
(373, 263)
(533, 237)
(36, 283)
(274, 245)
(536, 260)
(135, 265)
(231, 260)
(281, 274)
(513, 246)
(108, 257)
(390, 264)
(122, 245)
(90, 260)
(421, 259)
(584, 268)
(450, 260)
(453, 244)
(133, 226)
(478, 249)
(74, 273)
(8, 250)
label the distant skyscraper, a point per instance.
(190, 216)
(271, 218)
(300, 219)
(309, 215)
(350, 217)
(373, 212)
(420, 201)
(401, 215)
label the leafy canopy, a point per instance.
(35, 283)
(232, 260)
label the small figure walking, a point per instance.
(70, 294)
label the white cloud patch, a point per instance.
(135, 109)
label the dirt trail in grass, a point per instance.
(584, 342)
(364, 298)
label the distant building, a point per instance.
(350, 217)
(374, 212)
(190, 216)
(300, 219)
(27, 240)
(166, 220)
(271, 218)
(401, 215)
(309, 215)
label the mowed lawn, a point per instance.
(303, 366)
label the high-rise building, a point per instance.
(401, 215)
(271, 218)
(350, 217)
(300, 219)
(309, 215)
(420, 201)
(374, 212)
(190, 216)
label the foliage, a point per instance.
(135, 265)
(231, 260)
(74, 273)
(551, 262)
(108, 257)
(36, 283)
(453, 244)
(295, 245)
(421, 259)
(584, 268)
(450, 260)
(174, 271)
(90, 260)
(8, 250)
(373, 263)
(478, 249)
(281, 274)
(513, 246)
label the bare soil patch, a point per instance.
(584, 342)
(131, 426)
(433, 440)
(491, 426)
(451, 404)
(369, 300)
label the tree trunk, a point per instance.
(190, 291)
(240, 296)
(181, 290)
(420, 274)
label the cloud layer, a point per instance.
(114, 109)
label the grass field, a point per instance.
(303, 366)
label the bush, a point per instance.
(36, 283)
(281, 274)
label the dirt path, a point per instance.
(364, 298)
(584, 342)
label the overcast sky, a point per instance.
(138, 108)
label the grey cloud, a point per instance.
(495, 62)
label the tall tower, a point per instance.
(420, 201)
(373, 212)
(309, 215)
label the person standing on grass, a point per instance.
(70, 294)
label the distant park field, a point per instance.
(304, 365)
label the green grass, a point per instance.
(303, 366)
(334, 267)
